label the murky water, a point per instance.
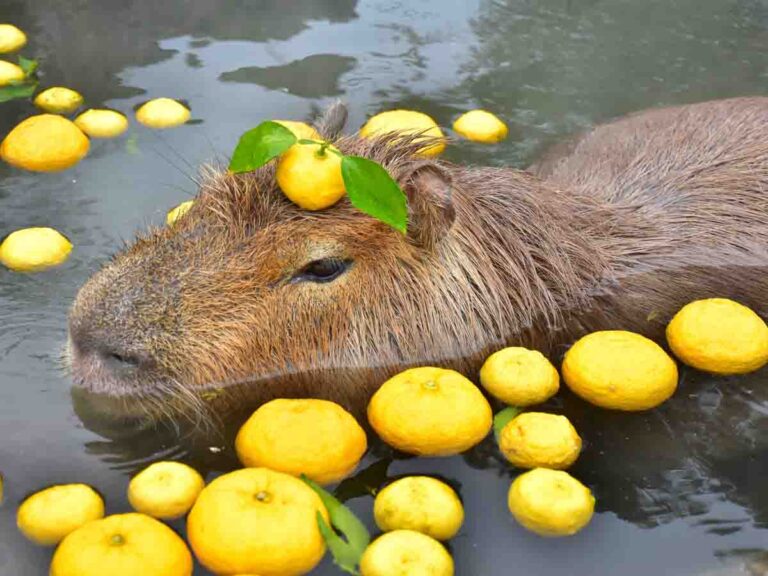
(680, 490)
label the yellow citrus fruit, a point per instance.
(257, 521)
(550, 502)
(481, 126)
(34, 249)
(537, 439)
(11, 38)
(122, 545)
(176, 213)
(165, 490)
(430, 412)
(311, 180)
(59, 100)
(406, 553)
(300, 129)
(9, 73)
(406, 122)
(419, 503)
(162, 113)
(313, 437)
(100, 123)
(49, 515)
(719, 336)
(519, 377)
(620, 370)
(44, 143)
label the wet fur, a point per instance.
(618, 230)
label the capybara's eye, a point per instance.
(323, 270)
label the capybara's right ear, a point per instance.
(430, 203)
(332, 121)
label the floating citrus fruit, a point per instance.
(719, 336)
(620, 370)
(49, 515)
(481, 126)
(406, 122)
(430, 412)
(44, 143)
(34, 249)
(406, 553)
(537, 439)
(100, 123)
(11, 38)
(10, 73)
(300, 129)
(165, 490)
(313, 437)
(519, 377)
(59, 100)
(419, 503)
(310, 179)
(162, 113)
(550, 502)
(122, 545)
(257, 521)
(178, 212)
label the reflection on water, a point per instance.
(680, 489)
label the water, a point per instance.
(680, 490)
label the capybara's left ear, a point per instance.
(430, 203)
(332, 121)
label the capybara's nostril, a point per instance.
(120, 359)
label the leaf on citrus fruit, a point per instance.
(372, 190)
(260, 145)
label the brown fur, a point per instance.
(635, 219)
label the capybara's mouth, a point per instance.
(109, 416)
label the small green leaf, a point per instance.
(260, 145)
(373, 191)
(27, 65)
(346, 553)
(17, 90)
(503, 418)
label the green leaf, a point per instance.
(346, 551)
(260, 145)
(17, 90)
(503, 418)
(372, 190)
(27, 65)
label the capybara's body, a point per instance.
(249, 298)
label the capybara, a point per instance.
(248, 297)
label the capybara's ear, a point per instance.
(332, 121)
(430, 203)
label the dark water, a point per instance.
(680, 490)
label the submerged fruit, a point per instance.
(44, 143)
(313, 437)
(165, 490)
(176, 213)
(406, 122)
(59, 100)
(122, 545)
(406, 553)
(162, 113)
(419, 503)
(519, 377)
(620, 370)
(481, 126)
(98, 123)
(550, 502)
(300, 129)
(310, 178)
(257, 521)
(430, 412)
(34, 249)
(719, 336)
(11, 38)
(49, 515)
(537, 439)
(10, 73)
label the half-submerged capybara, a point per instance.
(248, 297)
